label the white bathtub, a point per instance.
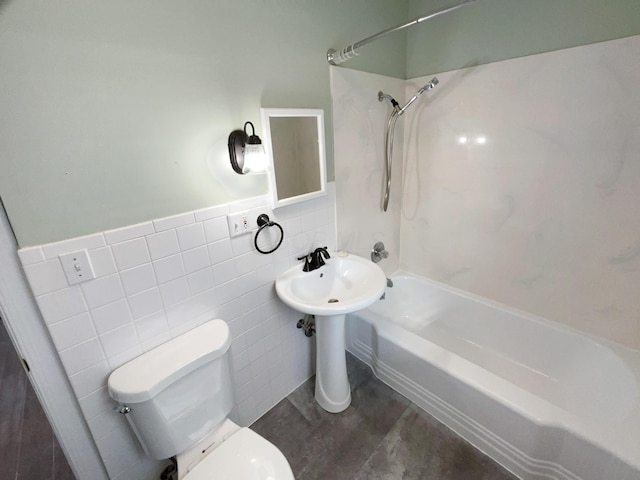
(543, 400)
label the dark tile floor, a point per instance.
(381, 436)
(28, 447)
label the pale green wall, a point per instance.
(492, 30)
(109, 108)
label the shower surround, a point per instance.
(519, 182)
(519, 186)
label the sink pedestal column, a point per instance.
(333, 392)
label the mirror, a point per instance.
(294, 141)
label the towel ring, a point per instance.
(264, 222)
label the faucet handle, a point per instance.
(305, 268)
(378, 252)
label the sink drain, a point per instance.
(333, 300)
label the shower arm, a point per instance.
(336, 57)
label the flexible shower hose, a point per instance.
(388, 154)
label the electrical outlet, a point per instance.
(247, 221)
(239, 223)
(77, 266)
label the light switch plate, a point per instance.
(77, 266)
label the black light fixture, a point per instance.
(246, 151)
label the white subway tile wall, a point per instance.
(159, 279)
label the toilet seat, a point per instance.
(245, 455)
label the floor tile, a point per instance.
(380, 436)
(28, 447)
(286, 428)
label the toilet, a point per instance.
(177, 398)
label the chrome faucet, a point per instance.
(315, 259)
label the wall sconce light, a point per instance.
(246, 151)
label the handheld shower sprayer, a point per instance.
(427, 86)
(391, 126)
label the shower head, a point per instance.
(427, 86)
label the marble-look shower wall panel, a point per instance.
(359, 121)
(522, 184)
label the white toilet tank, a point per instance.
(178, 392)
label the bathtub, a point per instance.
(541, 399)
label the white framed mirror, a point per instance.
(295, 146)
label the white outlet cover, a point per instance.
(238, 224)
(246, 222)
(77, 267)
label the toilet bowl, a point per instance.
(177, 398)
(244, 455)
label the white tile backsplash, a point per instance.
(102, 290)
(158, 279)
(96, 403)
(220, 251)
(88, 242)
(102, 262)
(129, 233)
(169, 268)
(200, 281)
(163, 244)
(171, 223)
(61, 304)
(119, 340)
(145, 303)
(191, 236)
(81, 356)
(89, 380)
(216, 229)
(122, 356)
(195, 259)
(131, 253)
(31, 255)
(72, 331)
(46, 277)
(212, 212)
(174, 292)
(150, 326)
(224, 272)
(138, 279)
(111, 316)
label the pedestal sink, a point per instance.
(345, 284)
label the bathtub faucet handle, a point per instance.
(378, 252)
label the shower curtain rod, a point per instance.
(336, 57)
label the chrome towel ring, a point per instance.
(264, 222)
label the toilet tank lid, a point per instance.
(145, 376)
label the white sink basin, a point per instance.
(344, 285)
